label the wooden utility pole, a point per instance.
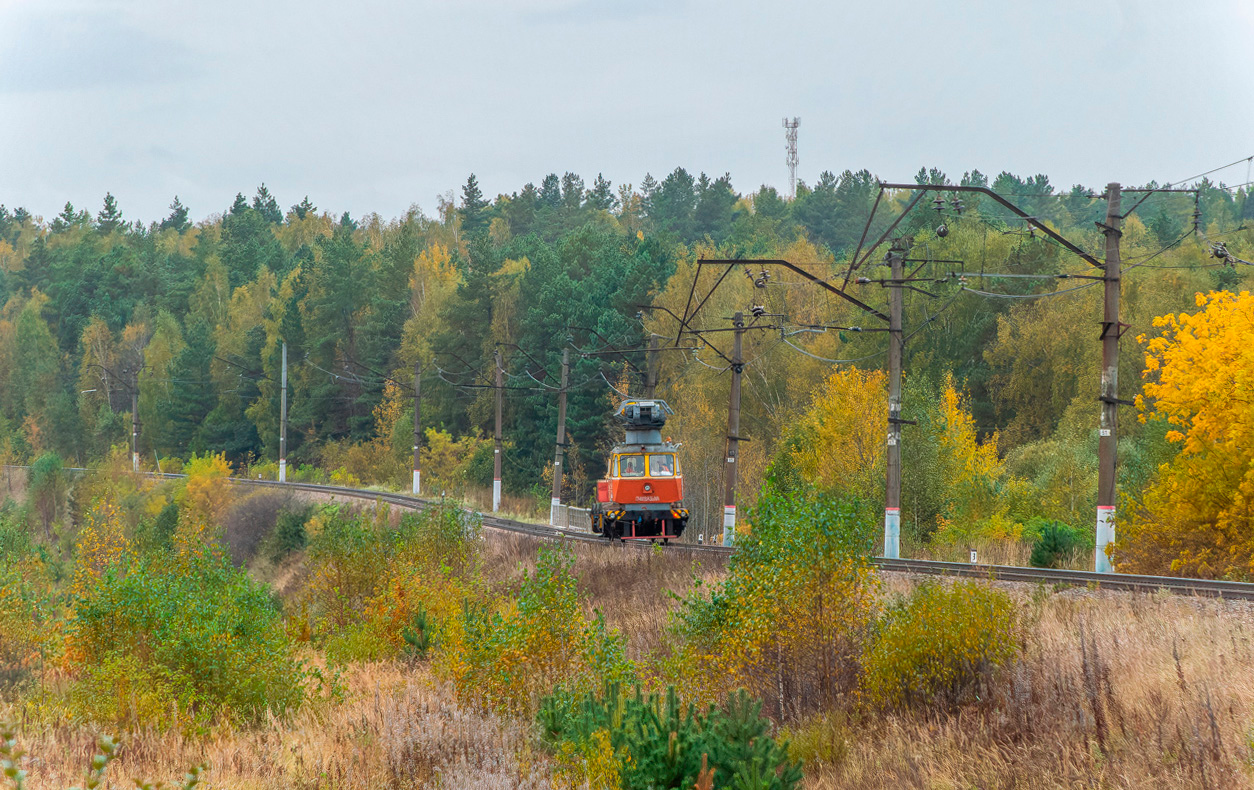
(283, 420)
(733, 431)
(1107, 443)
(559, 452)
(496, 458)
(650, 366)
(892, 486)
(417, 427)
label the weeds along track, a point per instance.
(1069, 578)
(1063, 578)
(1106, 581)
(411, 502)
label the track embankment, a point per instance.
(1006, 573)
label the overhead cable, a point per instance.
(833, 361)
(1030, 296)
(1215, 170)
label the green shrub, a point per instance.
(509, 657)
(787, 621)
(819, 740)
(15, 541)
(660, 742)
(47, 488)
(160, 534)
(348, 558)
(289, 532)
(357, 642)
(935, 648)
(417, 635)
(1056, 543)
(204, 636)
(442, 536)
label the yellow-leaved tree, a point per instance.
(839, 443)
(101, 543)
(1197, 515)
(202, 503)
(979, 496)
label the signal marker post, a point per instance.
(733, 431)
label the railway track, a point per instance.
(1069, 578)
(1062, 578)
(1090, 579)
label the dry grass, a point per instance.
(629, 584)
(1114, 690)
(994, 552)
(395, 729)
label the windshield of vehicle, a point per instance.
(631, 466)
(662, 465)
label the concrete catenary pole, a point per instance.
(733, 431)
(1108, 435)
(892, 485)
(135, 423)
(650, 366)
(417, 427)
(559, 452)
(283, 420)
(496, 457)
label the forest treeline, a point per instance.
(188, 319)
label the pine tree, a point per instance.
(66, 219)
(674, 202)
(304, 208)
(551, 191)
(521, 211)
(265, 204)
(572, 191)
(474, 217)
(648, 188)
(601, 197)
(716, 204)
(183, 408)
(110, 218)
(178, 217)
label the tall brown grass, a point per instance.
(1113, 690)
(396, 729)
(634, 586)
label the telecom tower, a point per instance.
(790, 132)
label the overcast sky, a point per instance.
(377, 104)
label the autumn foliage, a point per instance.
(1197, 515)
(940, 646)
(788, 621)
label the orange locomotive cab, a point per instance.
(642, 494)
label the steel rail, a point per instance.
(1090, 579)
(1007, 573)
(491, 522)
